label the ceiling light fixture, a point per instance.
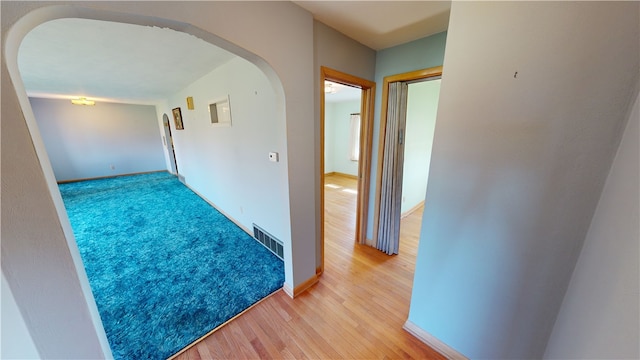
(331, 88)
(82, 101)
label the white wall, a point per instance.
(39, 258)
(518, 166)
(337, 135)
(422, 105)
(600, 314)
(107, 139)
(16, 342)
(229, 165)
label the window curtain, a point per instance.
(391, 191)
(354, 139)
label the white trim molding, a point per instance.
(437, 345)
(287, 290)
(301, 287)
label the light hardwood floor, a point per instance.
(356, 311)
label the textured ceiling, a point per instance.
(130, 63)
(114, 61)
(382, 24)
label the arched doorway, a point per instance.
(79, 295)
(168, 141)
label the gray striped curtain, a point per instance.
(393, 157)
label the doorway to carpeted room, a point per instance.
(165, 267)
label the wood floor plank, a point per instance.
(236, 338)
(288, 337)
(202, 351)
(271, 346)
(345, 342)
(222, 347)
(298, 338)
(357, 310)
(260, 349)
(216, 347)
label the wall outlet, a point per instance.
(273, 156)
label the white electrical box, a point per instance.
(273, 156)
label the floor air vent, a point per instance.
(268, 241)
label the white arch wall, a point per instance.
(229, 165)
(40, 264)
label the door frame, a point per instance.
(364, 162)
(410, 76)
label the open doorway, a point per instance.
(341, 157)
(422, 106)
(346, 134)
(168, 143)
(405, 139)
(110, 129)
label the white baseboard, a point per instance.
(301, 287)
(433, 342)
(368, 242)
(412, 210)
(232, 219)
(288, 290)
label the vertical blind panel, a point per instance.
(391, 191)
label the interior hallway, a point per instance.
(356, 310)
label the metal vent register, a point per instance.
(269, 241)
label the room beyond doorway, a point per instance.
(422, 107)
(341, 156)
(393, 135)
(355, 127)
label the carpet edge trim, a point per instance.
(197, 341)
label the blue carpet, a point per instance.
(164, 266)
